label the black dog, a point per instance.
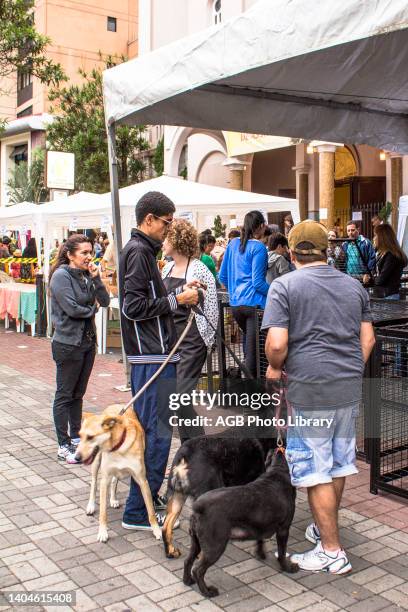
(255, 511)
(206, 463)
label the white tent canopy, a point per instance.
(321, 70)
(91, 210)
(202, 201)
(21, 217)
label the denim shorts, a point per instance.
(318, 451)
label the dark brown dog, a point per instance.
(206, 463)
(255, 511)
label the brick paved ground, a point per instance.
(47, 541)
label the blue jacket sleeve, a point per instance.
(259, 268)
(370, 256)
(223, 274)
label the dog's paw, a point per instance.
(90, 509)
(173, 553)
(291, 567)
(157, 532)
(114, 503)
(102, 535)
(188, 579)
(212, 591)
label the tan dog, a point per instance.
(116, 445)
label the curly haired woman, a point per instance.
(182, 245)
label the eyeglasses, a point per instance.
(166, 221)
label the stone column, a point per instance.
(396, 186)
(302, 190)
(236, 168)
(326, 184)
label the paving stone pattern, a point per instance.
(48, 543)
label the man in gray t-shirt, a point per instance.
(320, 329)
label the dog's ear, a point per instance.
(109, 422)
(85, 415)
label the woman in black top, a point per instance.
(76, 290)
(30, 252)
(391, 260)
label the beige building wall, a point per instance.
(8, 98)
(162, 22)
(78, 31)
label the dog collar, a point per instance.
(121, 441)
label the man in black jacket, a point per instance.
(149, 335)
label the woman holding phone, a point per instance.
(76, 289)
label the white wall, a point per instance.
(161, 22)
(200, 146)
(7, 164)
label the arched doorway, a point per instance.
(359, 186)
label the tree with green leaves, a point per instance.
(79, 128)
(22, 48)
(158, 157)
(219, 228)
(27, 182)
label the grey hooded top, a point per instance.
(277, 266)
(74, 297)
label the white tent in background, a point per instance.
(83, 210)
(22, 217)
(199, 202)
(90, 210)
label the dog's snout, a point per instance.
(78, 456)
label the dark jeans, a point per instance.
(152, 409)
(188, 372)
(74, 367)
(245, 317)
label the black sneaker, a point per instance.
(160, 502)
(146, 526)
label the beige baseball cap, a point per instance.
(308, 231)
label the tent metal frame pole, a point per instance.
(117, 226)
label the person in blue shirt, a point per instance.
(359, 254)
(243, 273)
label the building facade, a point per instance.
(331, 181)
(82, 34)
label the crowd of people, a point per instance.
(313, 314)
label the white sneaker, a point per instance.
(67, 453)
(318, 560)
(75, 441)
(312, 533)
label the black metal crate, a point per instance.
(389, 423)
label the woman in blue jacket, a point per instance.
(243, 273)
